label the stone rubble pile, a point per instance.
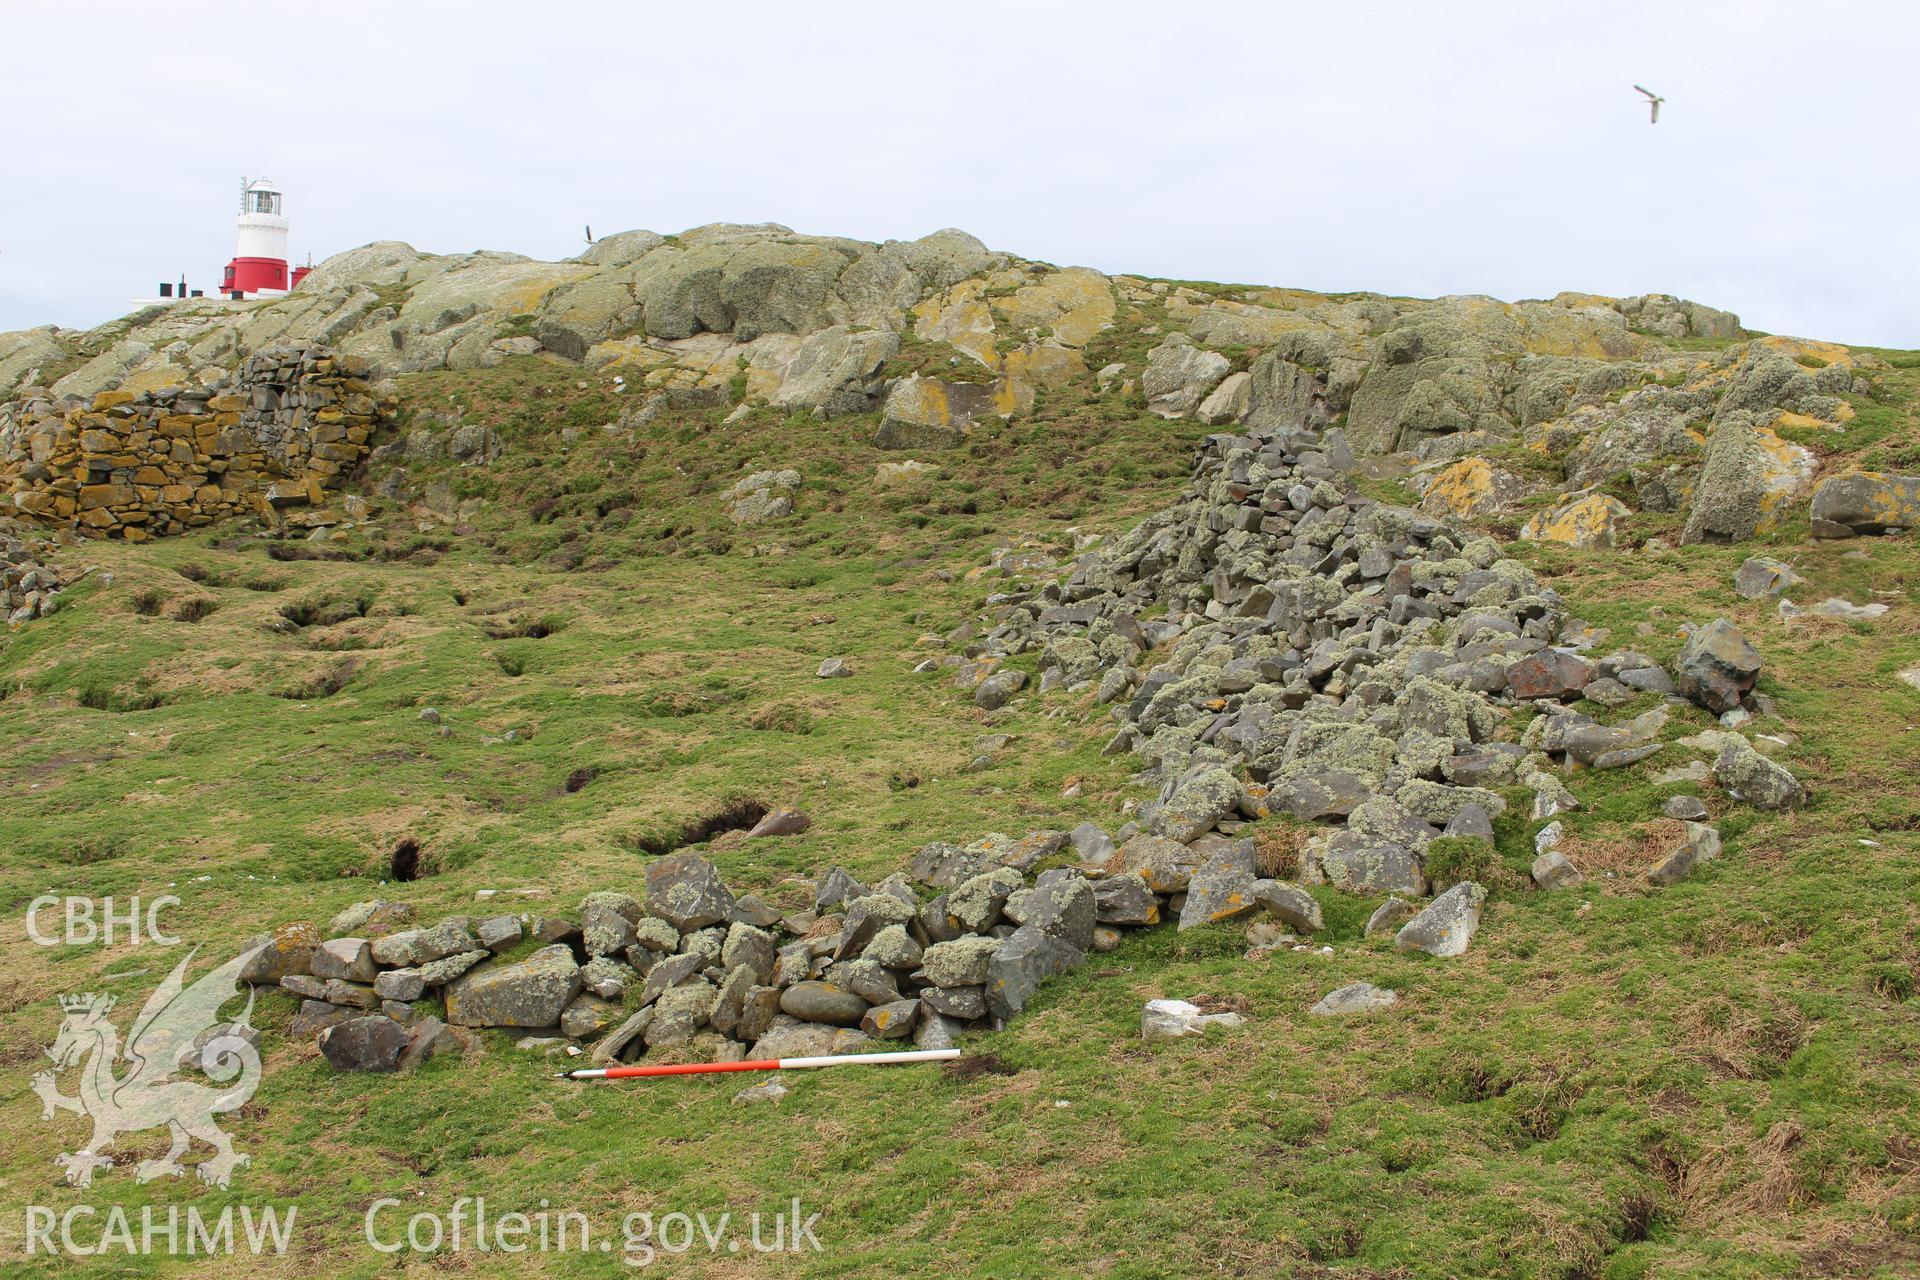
(27, 587)
(1276, 642)
(280, 432)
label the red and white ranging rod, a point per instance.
(762, 1064)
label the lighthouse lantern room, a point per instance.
(259, 266)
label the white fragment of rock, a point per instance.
(1180, 1019)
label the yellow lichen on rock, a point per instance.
(1590, 521)
(1463, 489)
(961, 318)
(1786, 470)
(1809, 348)
(1076, 304)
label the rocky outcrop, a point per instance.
(936, 335)
(281, 433)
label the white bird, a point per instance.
(1653, 100)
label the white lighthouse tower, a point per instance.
(259, 266)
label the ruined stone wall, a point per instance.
(280, 432)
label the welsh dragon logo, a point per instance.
(157, 1091)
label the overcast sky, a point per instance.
(1415, 148)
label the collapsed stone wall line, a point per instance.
(1352, 659)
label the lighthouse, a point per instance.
(259, 266)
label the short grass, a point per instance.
(1717, 1079)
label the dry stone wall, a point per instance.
(281, 432)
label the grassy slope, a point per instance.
(1717, 1079)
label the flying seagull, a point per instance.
(1653, 100)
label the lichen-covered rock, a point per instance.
(1471, 488)
(419, 946)
(1702, 844)
(1447, 924)
(923, 414)
(1197, 805)
(761, 497)
(1865, 502)
(686, 891)
(1062, 904)
(372, 1043)
(288, 950)
(975, 904)
(1179, 375)
(815, 1001)
(1218, 891)
(1746, 775)
(1020, 964)
(960, 963)
(1355, 997)
(1749, 480)
(1718, 667)
(531, 993)
(1592, 520)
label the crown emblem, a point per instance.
(85, 1002)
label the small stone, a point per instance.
(772, 1089)
(372, 918)
(586, 1016)
(785, 821)
(499, 933)
(1388, 916)
(894, 1021)
(834, 668)
(1550, 673)
(1553, 870)
(1702, 845)
(965, 1003)
(1760, 578)
(1021, 964)
(1685, 808)
(1355, 997)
